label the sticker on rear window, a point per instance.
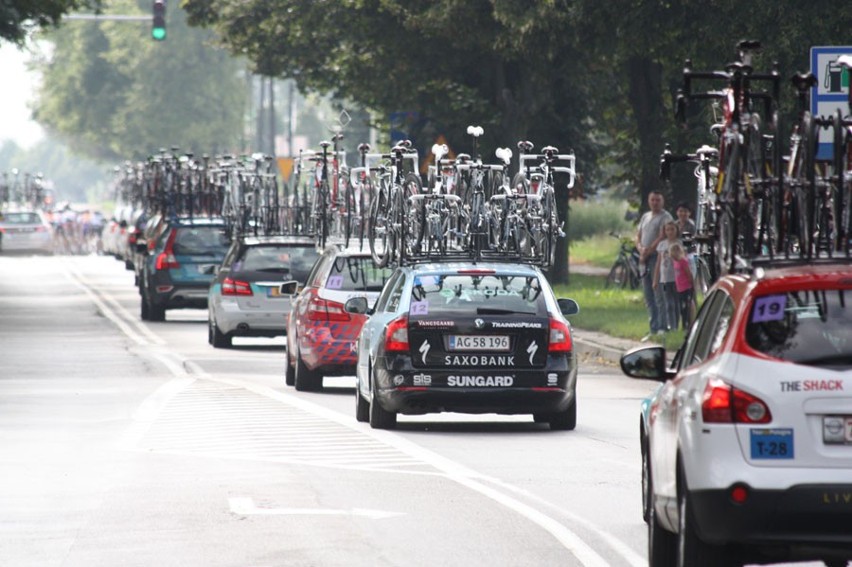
(426, 280)
(334, 282)
(769, 308)
(419, 308)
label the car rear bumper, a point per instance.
(230, 318)
(407, 390)
(808, 521)
(180, 296)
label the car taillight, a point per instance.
(166, 259)
(722, 403)
(324, 310)
(396, 335)
(560, 337)
(236, 287)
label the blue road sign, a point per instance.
(831, 91)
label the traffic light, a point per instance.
(158, 28)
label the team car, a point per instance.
(179, 266)
(322, 338)
(747, 443)
(245, 299)
(469, 338)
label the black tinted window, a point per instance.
(20, 218)
(200, 240)
(805, 327)
(356, 274)
(297, 261)
(477, 294)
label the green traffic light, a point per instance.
(158, 33)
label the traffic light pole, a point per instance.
(116, 18)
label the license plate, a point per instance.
(771, 443)
(473, 343)
(837, 429)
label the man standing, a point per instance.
(649, 234)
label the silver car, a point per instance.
(25, 231)
(246, 300)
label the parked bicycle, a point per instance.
(625, 270)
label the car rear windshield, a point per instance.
(278, 258)
(356, 273)
(462, 294)
(201, 241)
(805, 327)
(20, 218)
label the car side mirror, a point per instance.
(289, 288)
(568, 306)
(648, 363)
(357, 305)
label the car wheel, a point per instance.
(306, 380)
(662, 544)
(690, 549)
(566, 420)
(290, 372)
(379, 417)
(156, 312)
(362, 406)
(145, 309)
(646, 484)
(217, 338)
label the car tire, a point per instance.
(646, 483)
(290, 372)
(145, 307)
(156, 312)
(566, 420)
(217, 338)
(691, 550)
(362, 406)
(306, 380)
(379, 417)
(662, 544)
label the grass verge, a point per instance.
(616, 312)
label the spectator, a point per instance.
(648, 236)
(685, 224)
(683, 284)
(664, 276)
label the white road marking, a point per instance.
(244, 506)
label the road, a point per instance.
(139, 444)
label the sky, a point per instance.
(15, 94)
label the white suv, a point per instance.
(747, 445)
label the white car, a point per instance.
(25, 231)
(747, 445)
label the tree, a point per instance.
(116, 95)
(19, 17)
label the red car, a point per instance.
(322, 338)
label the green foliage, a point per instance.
(599, 250)
(19, 17)
(592, 217)
(113, 93)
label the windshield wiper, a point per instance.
(497, 311)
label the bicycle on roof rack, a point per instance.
(393, 227)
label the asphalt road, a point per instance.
(130, 443)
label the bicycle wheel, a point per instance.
(413, 208)
(618, 275)
(349, 213)
(379, 229)
(551, 226)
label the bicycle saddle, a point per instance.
(324, 144)
(549, 150)
(462, 158)
(364, 148)
(525, 146)
(803, 81)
